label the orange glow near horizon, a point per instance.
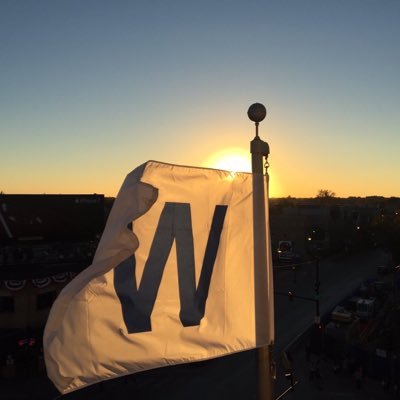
(238, 160)
(274, 187)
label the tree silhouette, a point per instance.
(325, 194)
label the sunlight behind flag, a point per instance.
(232, 159)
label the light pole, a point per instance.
(316, 288)
(263, 279)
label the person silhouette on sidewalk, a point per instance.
(358, 375)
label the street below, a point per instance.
(339, 276)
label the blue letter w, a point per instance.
(175, 224)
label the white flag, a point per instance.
(172, 280)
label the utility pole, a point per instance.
(316, 288)
(263, 283)
(315, 298)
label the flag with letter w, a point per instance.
(172, 281)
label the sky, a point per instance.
(90, 89)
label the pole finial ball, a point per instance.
(257, 112)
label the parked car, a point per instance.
(340, 314)
(366, 308)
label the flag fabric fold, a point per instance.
(172, 280)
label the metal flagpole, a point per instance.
(263, 280)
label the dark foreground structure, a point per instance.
(45, 240)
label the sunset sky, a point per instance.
(90, 89)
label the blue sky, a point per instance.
(91, 89)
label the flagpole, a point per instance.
(263, 279)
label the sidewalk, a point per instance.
(331, 385)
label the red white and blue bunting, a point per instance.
(61, 277)
(15, 284)
(41, 282)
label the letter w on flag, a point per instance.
(175, 224)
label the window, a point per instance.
(45, 300)
(6, 304)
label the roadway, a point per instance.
(339, 276)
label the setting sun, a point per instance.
(232, 159)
